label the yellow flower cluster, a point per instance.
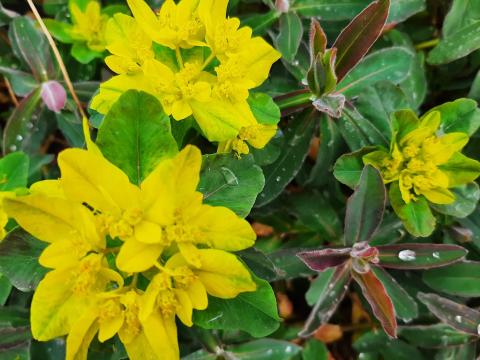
(421, 159)
(89, 25)
(197, 62)
(128, 259)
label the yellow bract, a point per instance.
(417, 157)
(161, 226)
(204, 65)
(89, 25)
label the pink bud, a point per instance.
(282, 5)
(54, 96)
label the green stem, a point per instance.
(286, 102)
(427, 44)
(178, 54)
(208, 60)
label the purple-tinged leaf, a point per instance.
(335, 283)
(434, 336)
(18, 131)
(419, 256)
(358, 37)
(456, 315)
(405, 307)
(317, 39)
(377, 297)
(365, 207)
(54, 96)
(331, 104)
(320, 260)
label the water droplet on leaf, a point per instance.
(407, 255)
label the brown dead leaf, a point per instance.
(262, 230)
(328, 333)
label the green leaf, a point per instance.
(433, 336)
(18, 134)
(405, 307)
(358, 131)
(315, 350)
(334, 10)
(264, 108)
(298, 135)
(290, 36)
(365, 207)
(419, 256)
(289, 265)
(14, 334)
(231, 182)
(22, 83)
(265, 349)
(400, 350)
(260, 264)
(71, 127)
(83, 54)
(401, 10)
(19, 253)
(252, 312)
(416, 215)
(376, 103)
(466, 199)
(59, 30)
(348, 167)
(359, 35)
(6, 15)
(328, 152)
(461, 352)
(5, 289)
(461, 14)
(325, 293)
(14, 171)
(457, 45)
(462, 279)
(271, 151)
(135, 135)
(25, 37)
(390, 64)
(315, 212)
(456, 315)
(461, 115)
(260, 23)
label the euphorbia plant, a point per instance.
(366, 264)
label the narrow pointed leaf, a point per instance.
(358, 37)
(419, 256)
(462, 279)
(317, 39)
(405, 307)
(365, 207)
(320, 260)
(333, 285)
(456, 315)
(290, 36)
(433, 336)
(377, 297)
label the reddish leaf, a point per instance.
(320, 260)
(333, 291)
(456, 315)
(317, 39)
(419, 256)
(377, 297)
(358, 37)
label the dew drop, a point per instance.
(478, 329)
(407, 255)
(436, 255)
(458, 319)
(19, 137)
(13, 147)
(278, 178)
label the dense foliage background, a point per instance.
(427, 54)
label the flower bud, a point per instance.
(54, 95)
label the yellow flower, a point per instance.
(176, 26)
(165, 211)
(128, 43)
(89, 25)
(419, 159)
(204, 66)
